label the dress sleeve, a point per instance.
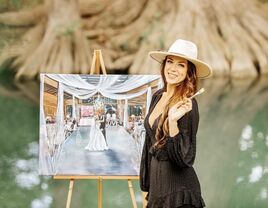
(181, 148)
(145, 165)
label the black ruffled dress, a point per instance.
(167, 174)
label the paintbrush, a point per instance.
(197, 93)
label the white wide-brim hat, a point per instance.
(187, 50)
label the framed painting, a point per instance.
(98, 123)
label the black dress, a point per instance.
(167, 174)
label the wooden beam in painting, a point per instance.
(51, 82)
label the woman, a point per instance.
(166, 171)
(96, 139)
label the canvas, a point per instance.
(93, 124)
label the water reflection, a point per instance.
(263, 194)
(246, 140)
(256, 174)
(232, 150)
(27, 176)
(44, 202)
(250, 187)
(232, 159)
(27, 179)
(25, 170)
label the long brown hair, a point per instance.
(184, 89)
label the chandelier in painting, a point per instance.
(98, 104)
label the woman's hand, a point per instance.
(179, 110)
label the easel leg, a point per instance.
(132, 194)
(144, 201)
(99, 192)
(97, 63)
(71, 185)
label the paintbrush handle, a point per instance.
(197, 93)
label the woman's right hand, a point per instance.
(179, 109)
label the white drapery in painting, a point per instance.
(126, 113)
(148, 100)
(77, 86)
(44, 159)
(74, 108)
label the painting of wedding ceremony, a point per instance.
(93, 124)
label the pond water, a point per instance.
(231, 162)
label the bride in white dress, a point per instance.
(96, 139)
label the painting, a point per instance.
(93, 124)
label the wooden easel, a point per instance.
(97, 64)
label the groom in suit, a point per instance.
(103, 125)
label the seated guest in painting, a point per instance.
(108, 118)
